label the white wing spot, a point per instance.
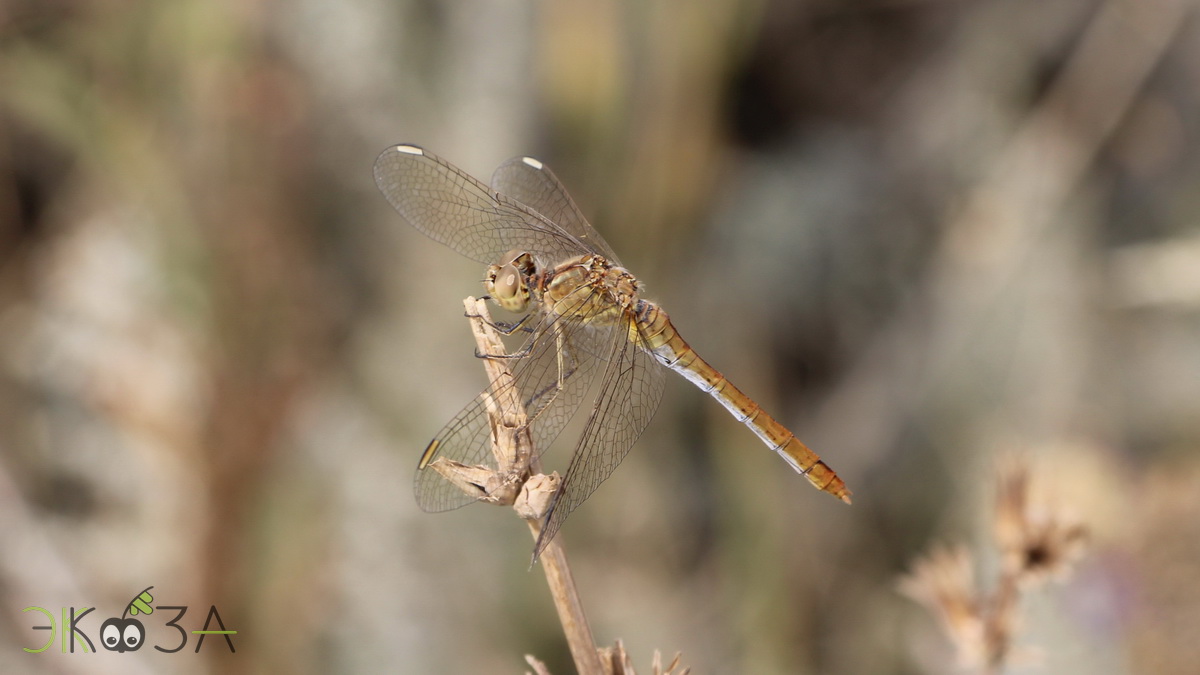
(533, 162)
(410, 149)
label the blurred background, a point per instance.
(922, 233)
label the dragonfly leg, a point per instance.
(508, 329)
(504, 327)
(519, 354)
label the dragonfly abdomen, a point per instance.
(657, 335)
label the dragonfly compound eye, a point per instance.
(508, 282)
(508, 288)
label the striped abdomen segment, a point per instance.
(660, 338)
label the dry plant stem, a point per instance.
(514, 447)
(566, 601)
(1000, 624)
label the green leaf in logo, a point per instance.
(141, 604)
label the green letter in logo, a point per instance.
(49, 628)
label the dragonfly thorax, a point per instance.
(589, 287)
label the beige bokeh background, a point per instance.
(922, 233)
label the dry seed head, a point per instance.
(944, 582)
(1036, 540)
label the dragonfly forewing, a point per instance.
(532, 183)
(453, 208)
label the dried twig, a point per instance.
(518, 482)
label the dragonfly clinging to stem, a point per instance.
(584, 317)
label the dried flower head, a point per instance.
(944, 582)
(1036, 540)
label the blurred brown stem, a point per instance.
(513, 447)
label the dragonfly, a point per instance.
(584, 318)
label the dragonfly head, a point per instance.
(508, 282)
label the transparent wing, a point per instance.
(453, 208)
(467, 437)
(532, 183)
(630, 392)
